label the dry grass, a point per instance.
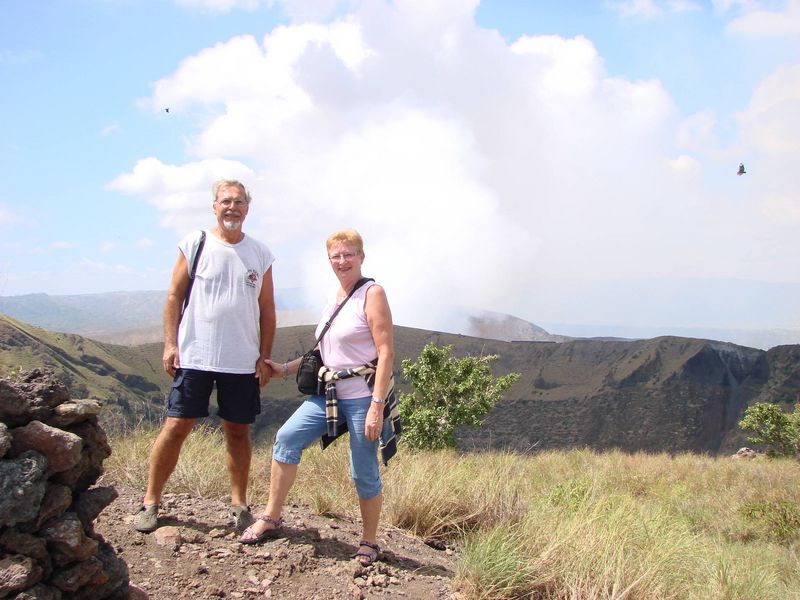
(201, 468)
(554, 525)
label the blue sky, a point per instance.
(565, 162)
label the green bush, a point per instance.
(777, 430)
(448, 392)
(781, 518)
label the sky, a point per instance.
(565, 162)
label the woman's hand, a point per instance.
(373, 424)
(277, 369)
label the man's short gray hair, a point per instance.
(223, 183)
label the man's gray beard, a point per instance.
(232, 225)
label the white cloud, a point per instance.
(8, 216)
(93, 265)
(568, 66)
(771, 122)
(14, 58)
(107, 246)
(182, 194)
(110, 130)
(760, 22)
(685, 165)
(220, 6)
(62, 245)
(144, 243)
(783, 210)
(298, 11)
(696, 132)
(310, 10)
(478, 171)
(724, 6)
(653, 8)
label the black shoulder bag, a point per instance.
(308, 381)
(193, 271)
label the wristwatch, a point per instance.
(378, 400)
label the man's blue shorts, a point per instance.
(238, 395)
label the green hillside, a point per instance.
(130, 380)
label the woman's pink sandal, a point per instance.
(251, 537)
(369, 557)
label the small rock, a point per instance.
(356, 593)
(137, 593)
(435, 544)
(745, 453)
(18, 572)
(379, 581)
(356, 570)
(168, 536)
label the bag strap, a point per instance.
(358, 284)
(193, 271)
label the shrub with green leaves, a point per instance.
(447, 392)
(777, 430)
(780, 518)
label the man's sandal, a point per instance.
(251, 537)
(146, 519)
(366, 558)
(241, 515)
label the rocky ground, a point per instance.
(195, 554)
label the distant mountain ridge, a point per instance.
(83, 313)
(663, 394)
(135, 318)
(130, 318)
(127, 318)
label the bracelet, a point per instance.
(378, 400)
(285, 369)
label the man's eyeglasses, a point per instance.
(348, 256)
(227, 203)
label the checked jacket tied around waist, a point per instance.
(391, 415)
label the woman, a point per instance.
(359, 333)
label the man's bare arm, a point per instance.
(172, 313)
(267, 322)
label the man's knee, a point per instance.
(176, 429)
(236, 433)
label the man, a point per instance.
(223, 338)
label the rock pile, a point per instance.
(51, 456)
(745, 453)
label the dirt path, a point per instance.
(195, 554)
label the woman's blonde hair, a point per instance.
(348, 236)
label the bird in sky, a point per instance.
(741, 170)
(166, 109)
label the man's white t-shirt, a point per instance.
(220, 329)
